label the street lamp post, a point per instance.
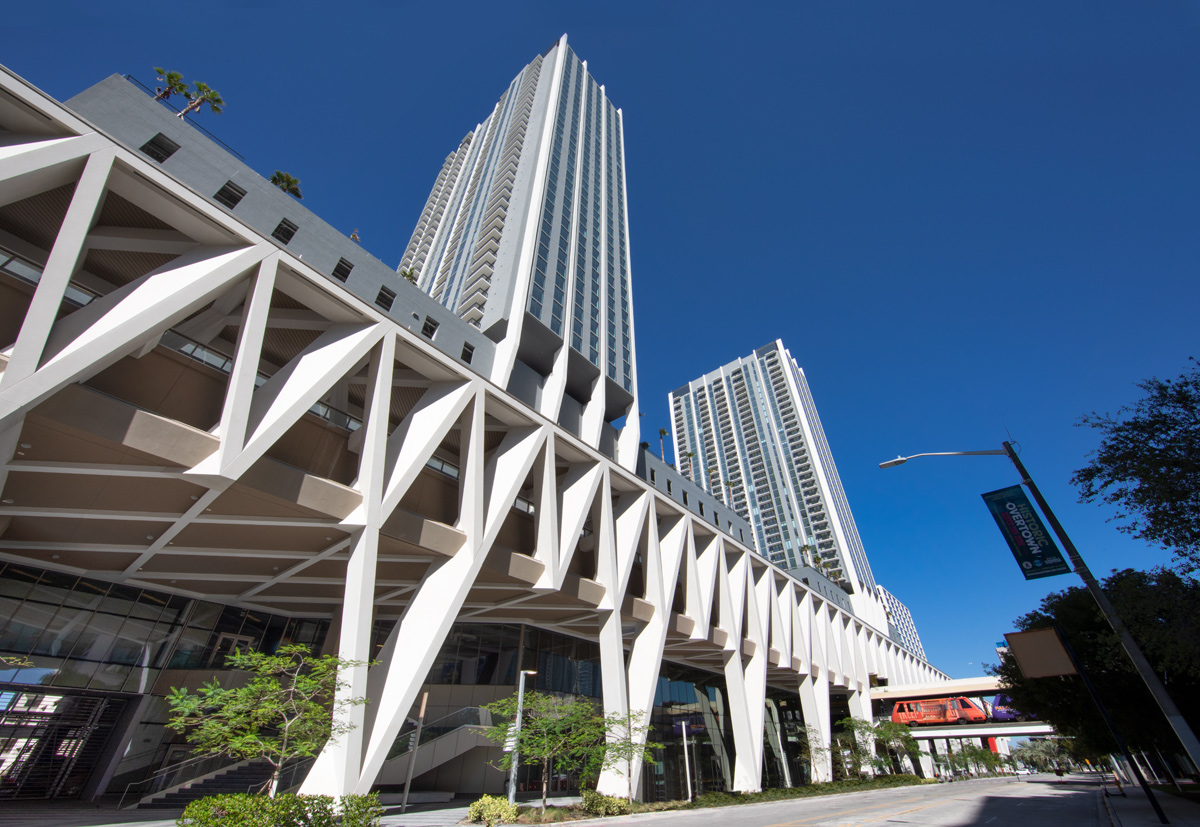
(516, 752)
(1176, 721)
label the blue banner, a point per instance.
(1021, 526)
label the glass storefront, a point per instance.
(102, 645)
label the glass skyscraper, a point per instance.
(524, 235)
(749, 433)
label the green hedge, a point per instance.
(244, 810)
(602, 805)
(492, 810)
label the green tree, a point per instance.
(172, 84)
(288, 184)
(201, 94)
(286, 711)
(813, 750)
(410, 274)
(855, 743)
(897, 742)
(564, 730)
(1148, 465)
(1162, 612)
(626, 744)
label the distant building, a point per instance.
(749, 433)
(900, 623)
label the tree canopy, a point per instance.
(286, 711)
(1162, 611)
(553, 728)
(1148, 465)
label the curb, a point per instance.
(1113, 819)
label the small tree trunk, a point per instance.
(274, 788)
(545, 781)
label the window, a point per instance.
(342, 271)
(385, 298)
(701, 509)
(685, 498)
(229, 195)
(160, 147)
(468, 352)
(429, 328)
(668, 486)
(285, 231)
(651, 476)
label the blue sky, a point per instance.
(967, 221)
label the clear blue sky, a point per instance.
(967, 221)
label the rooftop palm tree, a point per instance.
(287, 183)
(662, 452)
(201, 94)
(172, 84)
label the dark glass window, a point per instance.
(342, 271)
(385, 298)
(285, 231)
(160, 147)
(230, 195)
(429, 328)
(468, 352)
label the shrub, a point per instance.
(361, 810)
(492, 810)
(243, 810)
(597, 804)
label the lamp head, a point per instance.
(892, 463)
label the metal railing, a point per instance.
(471, 716)
(176, 774)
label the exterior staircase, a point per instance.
(247, 776)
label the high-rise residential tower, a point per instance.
(525, 235)
(901, 627)
(750, 434)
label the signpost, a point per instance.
(1028, 539)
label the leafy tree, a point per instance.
(286, 711)
(626, 744)
(564, 730)
(200, 95)
(172, 84)
(897, 742)
(812, 749)
(1162, 612)
(855, 744)
(1148, 465)
(288, 184)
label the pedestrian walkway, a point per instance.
(81, 814)
(1134, 809)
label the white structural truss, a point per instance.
(217, 419)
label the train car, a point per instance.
(1002, 710)
(959, 710)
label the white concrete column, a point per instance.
(814, 704)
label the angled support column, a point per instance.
(814, 704)
(340, 764)
(65, 257)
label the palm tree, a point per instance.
(688, 455)
(287, 183)
(410, 274)
(662, 452)
(200, 95)
(172, 84)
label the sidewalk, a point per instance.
(1134, 810)
(80, 814)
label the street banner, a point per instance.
(1021, 526)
